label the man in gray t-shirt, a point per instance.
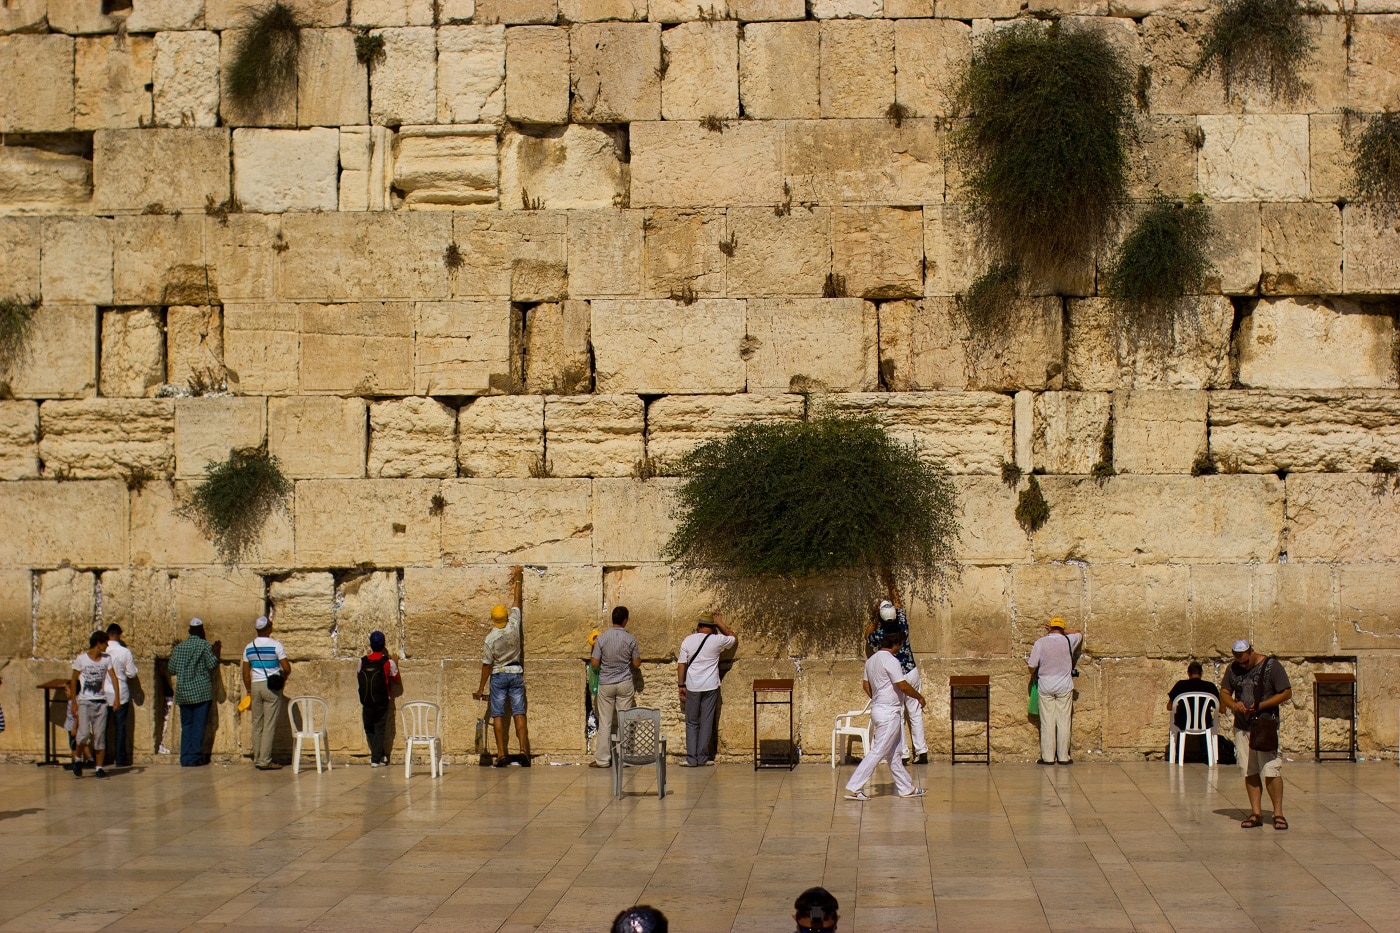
(615, 657)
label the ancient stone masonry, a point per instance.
(480, 285)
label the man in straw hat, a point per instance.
(1053, 660)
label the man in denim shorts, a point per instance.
(501, 663)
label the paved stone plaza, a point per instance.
(1096, 846)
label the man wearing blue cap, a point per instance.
(377, 675)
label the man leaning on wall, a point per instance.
(265, 672)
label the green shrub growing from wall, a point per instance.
(1263, 43)
(1162, 262)
(235, 499)
(1375, 159)
(16, 325)
(262, 72)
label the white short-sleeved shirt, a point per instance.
(702, 664)
(882, 672)
(125, 666)
(264, 655)
(502, 649)
(1054, 656)
(92, 676)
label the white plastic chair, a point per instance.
(308, 716)
(846, 729)
(638, 743)
(422, 722)
(1200, 708)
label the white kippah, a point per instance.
(261, 623)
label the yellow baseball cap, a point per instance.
(1057, 622)
(499, 613)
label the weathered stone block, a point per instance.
(445, 166)
(520, 254)
(1069, 430)
(16, 615)
(788, 254)
(206, 429)
(833, 9)
(314, 436)
(133, 353)
(77, 264)
(646, 593)
(632, 520)
(927, 53)
(1255, 157)
(613, 72)
(778, 71)
(561, 606)
(471, 74)
(226, 599)
(43, 181)
(1263, 432)
(1222, 607)
(861, 161)
(357, 348)
(1164, 161)
(922, 345)
(857, 68)
(677, 424)
(605, 254)
(685, 165)
(878, 251)
(341, 257)
(163, 537)
(969, 431)
(1371, 257)
(1330, 163)
(158, 15)
(1302, 249)
(112, 81)
(101, 438)
(1289, 343)
(194, 345)
(64, 614)
(19, 440)
(185, 79)
(303, 614)
(1372, 84)
(1101, 355)
(1134, 690)
(810, 344)
(501, 436)
(364, 603)
(557, 360)
(142, 602)
(1025, 352)
(241, 251)
(1041, 592)
(178, 169)
(975, 622)
(537, 74)
(366, 168)
(60, 358)
(587, 11)
(391, 13)
(701, 78)
(685, 253)
(1295, 610)
(224, 14)
(38, 73)
(1137, 610)
(160, 260)
(412, 437)
(1337, 518)
(42, 533)
(447, 610)
(594, 435)
(566, 168)
(403, 87)
(1234, 251)
(513, 521)
(660, 347)
(262, 348)
(516, 11)
(752, 11)
(1158, 432)
(343, 523)
(21, 241)
(286, 170)
(461, 347)
(26, 16)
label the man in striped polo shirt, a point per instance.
(265, 670)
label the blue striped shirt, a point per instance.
(262, 655)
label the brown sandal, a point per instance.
(1254, 822)
(1280, 823)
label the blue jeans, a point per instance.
(503, 685)
(121, 741)
(193, 718)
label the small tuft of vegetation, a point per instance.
(137, 478)
(155, 208)
(221, 209)
(262, 71)
(665, 63)
(369, 47)
(1032, 511)
(530, 204)
(235, 499)
(713, 124)
(834, 286)
(1164, 259)
(685, 294)
(1387, 478)
(16, 328)
(437, 505)
(1044, 143)
(1010, 474)
(207, 381)
(729, 246)
(540, 468)
(987, 298)
(452, 257)
(648, 468)
(1142, 88)
(1375, 159)
(280, 244)
(897, 113)
(1102, 471)
(784, 207)
(1205, 465)
(1259, 43)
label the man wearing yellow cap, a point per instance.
(1052, 662)
(502, 663)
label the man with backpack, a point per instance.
(377, 673)
(1053, 662)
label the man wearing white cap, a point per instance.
(193, 663)
(1053, 662)
(892, 619)
(884, 683)
(1255, 686)
(265, 671)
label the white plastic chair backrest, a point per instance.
(1198, 707)
(844, 720)
(421, 720)
(639, 735)
(309, 715)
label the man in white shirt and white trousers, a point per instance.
(884, 683)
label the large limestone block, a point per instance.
(1302, 249)
(178, 169)
(1069, 430)
(412, 437)
(1101, 355)
(632, 519)
(1137, 610)
(501, 436)
(969, 431)
(1330, 165)
(357, 348)
(226, 599)
(142, 602)
(1367, 595)
(753, 11)
(160, 260)
(286, 170)
(364, 603)
(303, 614)
(1212, 519)
(37, 73)
(605, 254)
(846, 9)
(1026, 350)
(812, 343)
(112, 81)
(462, 347)
(391, 13)
(645, 591)
(19, 440)
(64, 614)
(133, 353)
(787, 254)
(515, 254)
(537, 74)
(21, 243)
(206, 429)
(927, 54)
(471, 74)
(1235, 250)
(162, 537)
(864, 161)
(1338, 518)
(42, 181)
(778, 71)
(403, 86)
(241, 251)
(16, 615)
(1255, 157)
(685, 253)
(447, 610)
(262, 348)
(1290, 343)
(340, 257)
(185, 79)
(318, 437)
(1222, 606)
(158, 15)
(344, 523)
(561, 606)
(1371, 257)
(1376, 688)
(566, 168)
(1372, 84)
(77, 264)
(1041, 592)
(613, 72)
(661, 347)
(515, 521)
(586, 11)
(922, 345)
(557, 360)
(194, 344)
(701, 77)
(594, 435)
(225, 14)
(974, 622)
(100, 438)
(684, 165)
(60, 357)
(1265, 432)
(40, 531)
(1134, 691)
(1296, 610)
(516, 11)
(445, 166)
(878, 251)
(677, 424)
(1165, 159)
(26, 16)
(332, 84)
(857, 68)
(1158, 432)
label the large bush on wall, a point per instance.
(1155, 279)
(262, 71)
(830, 507)
(235, 499)
(1260, 43)
(1045, 116)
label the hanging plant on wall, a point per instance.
(235, 499)
(1043, 143)
(1375, 158)
(830, 507)
(1260, 43)
(1159, 270)
(262, 72)
(16, 326)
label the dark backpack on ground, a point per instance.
(374, 681)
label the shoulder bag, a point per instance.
(1263, 730)
(275, 681)
(1073, 655)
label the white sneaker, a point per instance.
(857, 795)
(916, 792)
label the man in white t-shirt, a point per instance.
(119, 698)
(92, 675)
(886, 686)
(1053, 662)
(697, 675)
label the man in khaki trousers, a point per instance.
(1052, 663)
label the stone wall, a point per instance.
(467, 290)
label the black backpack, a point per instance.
(374, 681)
